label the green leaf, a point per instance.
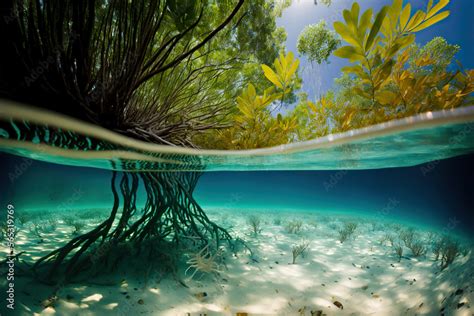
(383, 73)
(387, 29)
(356, 69)
(346, 34)
(405, 16)
(272, 76)
(393, 50)
(394, 11)
(348, 18)
(441, 4)
(376, 27)
(355, 14)
(433, 20)
(243, 108)
(405, 40)
(364, 23)
(284, 60)
(348, 52)
(362, 93)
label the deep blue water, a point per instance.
(438, 194)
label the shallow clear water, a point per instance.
(406, 142)
(414, 175)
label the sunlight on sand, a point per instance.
(362, 274)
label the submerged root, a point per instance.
(170, 214)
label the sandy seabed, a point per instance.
(360, 276)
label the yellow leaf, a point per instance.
(283, 61)
(312, 106)
(245, 110)
(291, 71)
(405, 16)
(364, 23)
(251, 91)
(355, 13)
(415, 20)
(272, 76)
(386, 97)
(433, 20)
(430, 4)
(441, 4)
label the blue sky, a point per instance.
(457, 29)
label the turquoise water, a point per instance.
(355, 166)
(406, 142)
(413, 175)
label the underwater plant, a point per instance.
(163, 83)
(398, 249)
(23, 217)
(299, 250)
(387, 238)
(277, 221)
(255, 224)
(417, 248)
(3, 230)
(69, 220)
(38, 229)
(51, 223)
(412, 241)
(347, 231)
(205, 262)
(294, 227)
(446, 250)
(407, 236)
(78, 226)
